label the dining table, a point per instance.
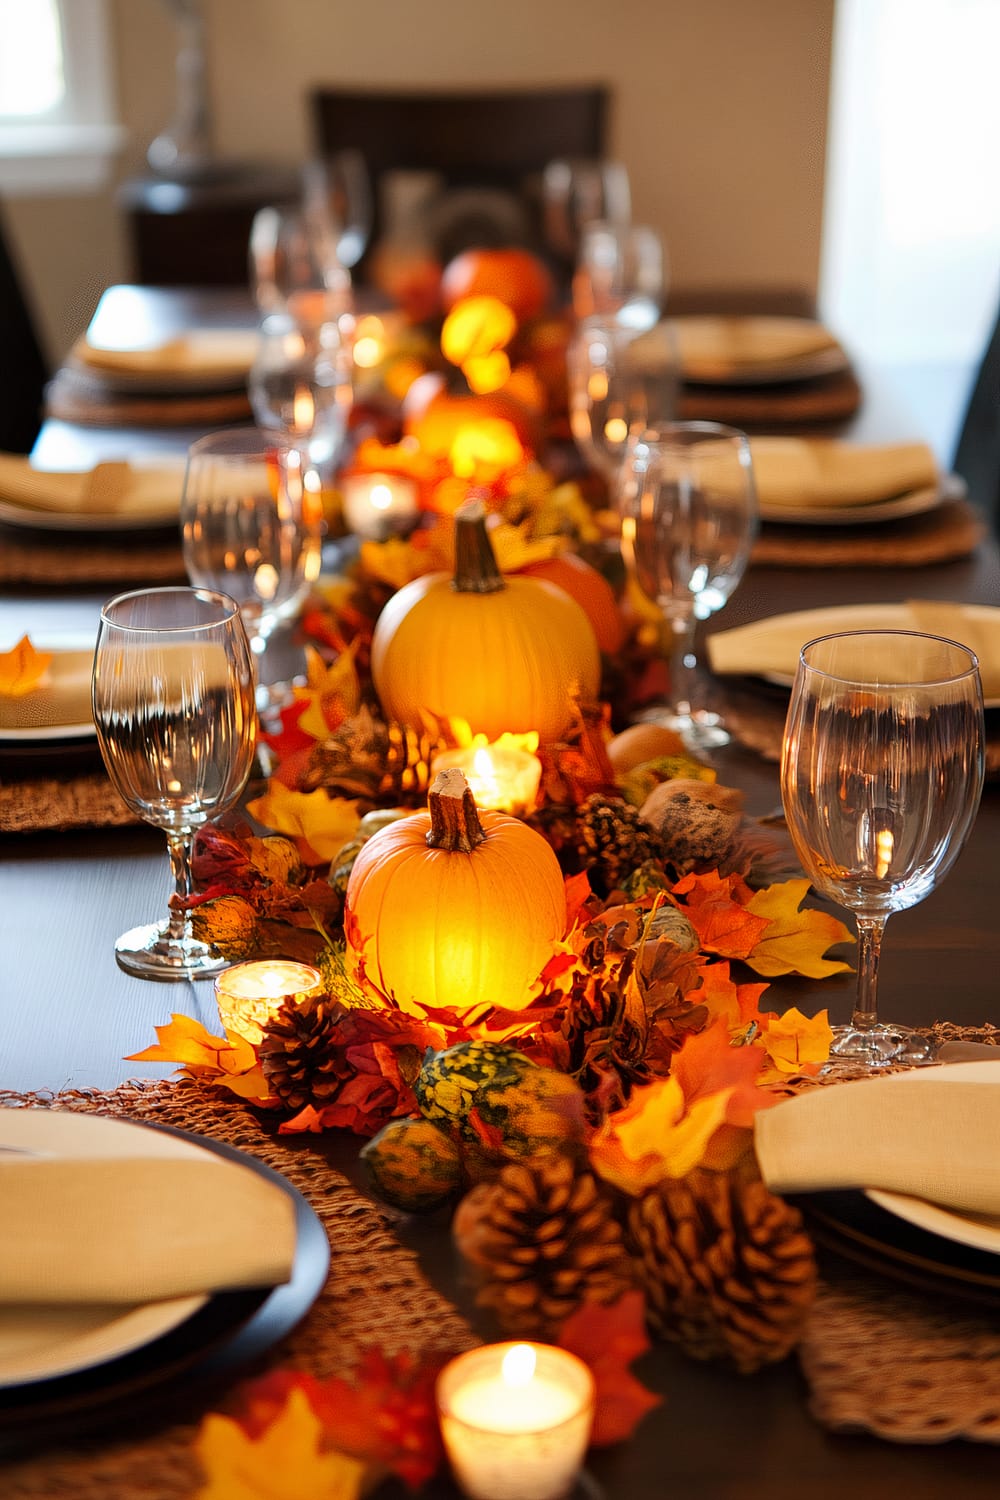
(70, 1019)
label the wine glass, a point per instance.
(620, 275)
(618, 387)
(300, 387)
(294, 266)
(881, 775)
(252, 526)
(173, 702)
(689, 517)
(337, 199)
(579, 192)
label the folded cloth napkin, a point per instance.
(928, 1137)
(823, 472)
(771, 647)
(201, 354)
(137, 1229)
(714, 347)
(61, 697)
(136, 490)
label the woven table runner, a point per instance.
(954, 529)
(58, 558)
(375, 1295)
(57, 803)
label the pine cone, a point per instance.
(728, 1270)
(543, 1239)
(298, 1051)
(612, 841)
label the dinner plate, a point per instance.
(709, 366)
(220, 360)
(915, 503)
(142, 1349)
(30, 737)
(29, 519)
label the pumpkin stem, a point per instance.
(455, 822)
(476, 570)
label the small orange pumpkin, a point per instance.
(592, 592)
(502, 654)
(453, 908)
(516, 277)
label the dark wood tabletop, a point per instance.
(69, 1017)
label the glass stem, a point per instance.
(682, 664)
(179, 919)
(870, 930)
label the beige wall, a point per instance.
(719, 113)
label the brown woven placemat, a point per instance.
(953, 529)
(375, 1295)
(55, 803)
(78, 395)
(59, 558)
(795, 404)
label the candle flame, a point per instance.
(303, 409)
(518, 1365)
(380, 496)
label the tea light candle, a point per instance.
(515, 1419)
(249, 994)
(502, 778)
(379, 505)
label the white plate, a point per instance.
(52, 734)
(916, 503)
(979, 1231)
(55, 520)
(41, 1343)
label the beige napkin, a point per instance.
(771, 647)
(201, 354)
(61, 698)
(928, 1137)
(822, 472)
(148, 491)
(714, 347)
(138, 1229)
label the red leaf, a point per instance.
(608, 1339)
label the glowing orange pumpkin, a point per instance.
(592, 592)
(452, 907)
(436, 423)
(502, 654)
(516, 277)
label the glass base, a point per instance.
(149, 953)
(700, 730)
(881, 1046)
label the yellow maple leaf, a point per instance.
(393, 562)
(338, 683)
(284, 1463)
(796, 1043)
(230, 1060)
(795, 941)
(514, 548)
(656, 1136)
(325, 823)
(22, 669)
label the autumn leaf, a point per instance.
(331, 695)
(608, 1339)
(795, 940)
(736, 1004)
(22, 669)
(797, 1044)
(656, 1136)
(284, 1463)
(724, 924)
(320, 824)
(230, 1061)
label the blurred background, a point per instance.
(844, 149)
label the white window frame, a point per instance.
(71, 148)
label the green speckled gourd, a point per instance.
(412, 1165)
(499, 1105)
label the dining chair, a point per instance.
(23, 369)
(977, 450)
(485, 152)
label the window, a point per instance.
(57, 130)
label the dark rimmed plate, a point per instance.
(228, 1331)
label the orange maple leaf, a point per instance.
(22, 669)
(608, 1339)
(724, 924)
(795, 940)
(798, 1044)
(320, 824)
(656, 1136)
(229, 1061)
(736, 1004)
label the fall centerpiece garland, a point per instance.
(551, 1023)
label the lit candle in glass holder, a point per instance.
(516, 1420)
(249, 994)
(379, 505)
(502, 777)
